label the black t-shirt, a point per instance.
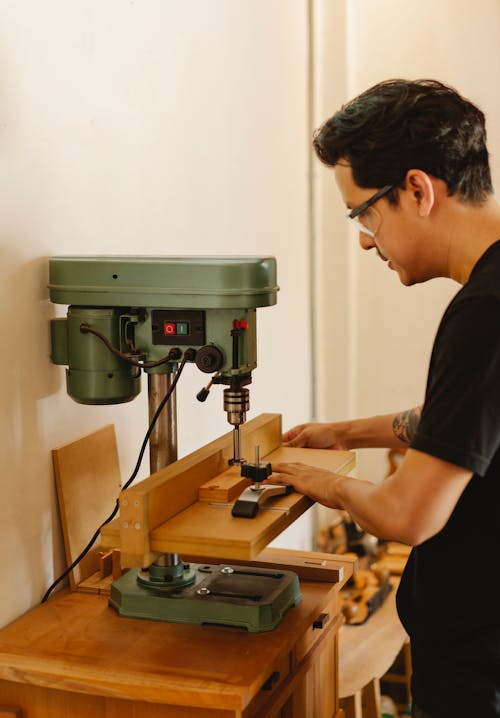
(449, 597)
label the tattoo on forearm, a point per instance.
(405, 424)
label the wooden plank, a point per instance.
(88, 483)
(308, 565)
(96, 584)
(225, 487)
(105, 563)
(210, 529)
(153, 501)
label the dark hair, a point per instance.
(400, 125)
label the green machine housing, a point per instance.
(145, 306)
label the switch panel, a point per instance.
(178, 327)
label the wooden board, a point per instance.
(210, 529)
(308, 565)
(88, 483)
(225, 487)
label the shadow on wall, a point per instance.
(28, 509)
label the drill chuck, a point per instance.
(236, 404)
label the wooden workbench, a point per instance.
(74, 657)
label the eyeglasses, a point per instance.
(364, 220)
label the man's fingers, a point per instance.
(288, 468)
(294, 441)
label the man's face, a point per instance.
(393, 226)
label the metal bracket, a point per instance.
(247, 505)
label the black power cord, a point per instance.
(189, 355)
(87, 329)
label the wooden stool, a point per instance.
(366, 653)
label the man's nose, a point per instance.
(365, 241)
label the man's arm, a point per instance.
(391, 431)
(411, 505)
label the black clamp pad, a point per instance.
(245, 509)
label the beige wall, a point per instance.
(151, 127)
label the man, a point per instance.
(411, 164)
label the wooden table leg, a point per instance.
(351, 705)
(371, 699)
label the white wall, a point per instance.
(387, 339)
(129, 127)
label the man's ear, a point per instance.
(421, 190)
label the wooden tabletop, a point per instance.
(75, 642)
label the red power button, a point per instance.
(169, 328)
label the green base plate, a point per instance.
(255, 599)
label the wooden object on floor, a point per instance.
(88, 483)
(162, 514)
(393, 557)
(366, 652)
(74, 657)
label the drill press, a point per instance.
(132, 314)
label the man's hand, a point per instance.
(318, 484)
(316, 436)
(411, 505)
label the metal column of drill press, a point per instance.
(248, 503)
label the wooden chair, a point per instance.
(366, 653)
